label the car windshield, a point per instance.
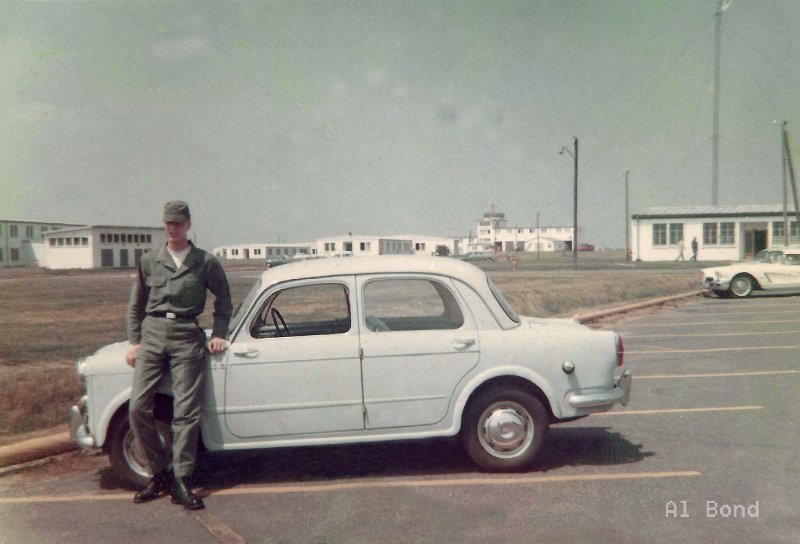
(241, 310)
(502, 301)
(768, 256)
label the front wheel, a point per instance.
(741, 286)
(125, 459)
(504, 429)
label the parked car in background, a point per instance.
(272, 262)
(487, 255)
(586, 247)
(772, 269)
(347, 351)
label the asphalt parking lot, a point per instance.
(707, 451)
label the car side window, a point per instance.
(305, 310)
(408, 304)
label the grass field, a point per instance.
(50, 319)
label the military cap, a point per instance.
(176, 211)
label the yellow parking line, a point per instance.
(717, 374)
(705, 350)
(701, 335)
(704, 323)
(680, 410)
(322, 488)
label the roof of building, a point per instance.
(742, 210)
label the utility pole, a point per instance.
(788, 153)
(785, 187)
(627, 226)
(574, 203)
(538, 243)
(722, 5)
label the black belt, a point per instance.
(171, 315)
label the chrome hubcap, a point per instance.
(741, 286)
(135, 460)
(506, 429)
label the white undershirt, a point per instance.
(179, 256)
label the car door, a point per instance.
(294, 368)
(418, 340)
(784, 273)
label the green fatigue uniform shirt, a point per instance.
(159, 287)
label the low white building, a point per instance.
(97, 246)
(360, 245)
(19, 239)
(493, 232)
(723, 233)
(263, 251)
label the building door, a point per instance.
(755, 239)
(123, 257)
(137, 256)
(106, 257)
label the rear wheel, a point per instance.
(125, 459)
(504, 429)
(741, 286)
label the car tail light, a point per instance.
(620, 351)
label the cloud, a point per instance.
(180, 48)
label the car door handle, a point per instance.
(463, 344)
(245, 352)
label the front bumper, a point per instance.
(602, 400)
(716, 285)
(79, 427)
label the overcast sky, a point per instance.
(288, 121)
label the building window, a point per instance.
(709, 234)
(14, 253)
(130, 238)
(12, 231)
(52, 242)
(29, 231)
(777, 229)
(659, 234)
(102, 238)
(675, 233)
(1, 253)
(726, 233)
(149, 239)
(60, 242)
(84, 241)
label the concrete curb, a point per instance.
(35, 448)
(594, 316)
(47, 446)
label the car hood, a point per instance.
(109, 359)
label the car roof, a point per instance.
(389, 264)
(382, 264)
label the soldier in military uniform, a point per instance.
(168, 295)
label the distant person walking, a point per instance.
(680, 250)
(694, 248)
(168, 294)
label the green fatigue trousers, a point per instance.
(177, 347)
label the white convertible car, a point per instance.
(338, 351)
(772, 269)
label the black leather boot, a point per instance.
(182, 494)
(157, 485)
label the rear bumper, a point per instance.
(603, 400)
